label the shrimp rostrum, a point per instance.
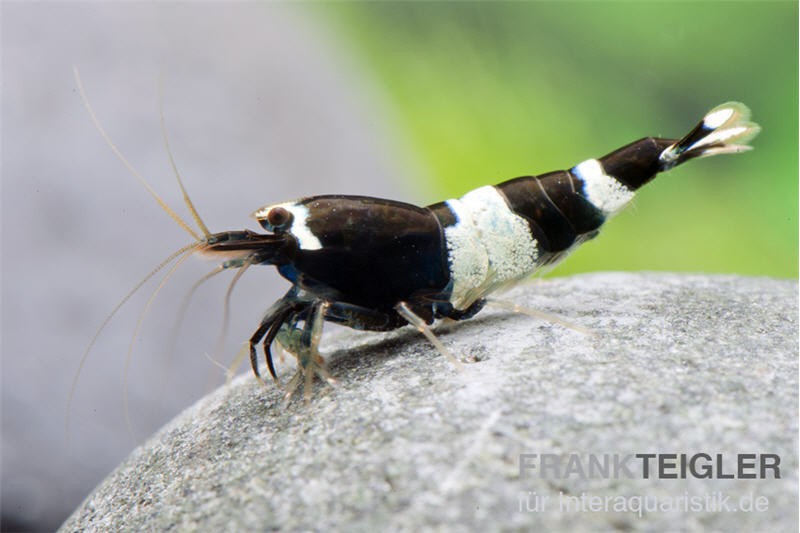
(375, 264)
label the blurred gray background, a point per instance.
(261, 106)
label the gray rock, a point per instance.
(679, 364)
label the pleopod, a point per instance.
(376, 264)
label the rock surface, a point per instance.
(679, 364)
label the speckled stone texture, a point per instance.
(679, 364)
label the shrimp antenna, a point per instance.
(181, 315)
(185, 250)
(186, 199)
(167, 209)
(181, 254)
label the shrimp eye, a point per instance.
(279, 217)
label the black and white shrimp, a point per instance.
(376, 264)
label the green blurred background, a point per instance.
(483, 92)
